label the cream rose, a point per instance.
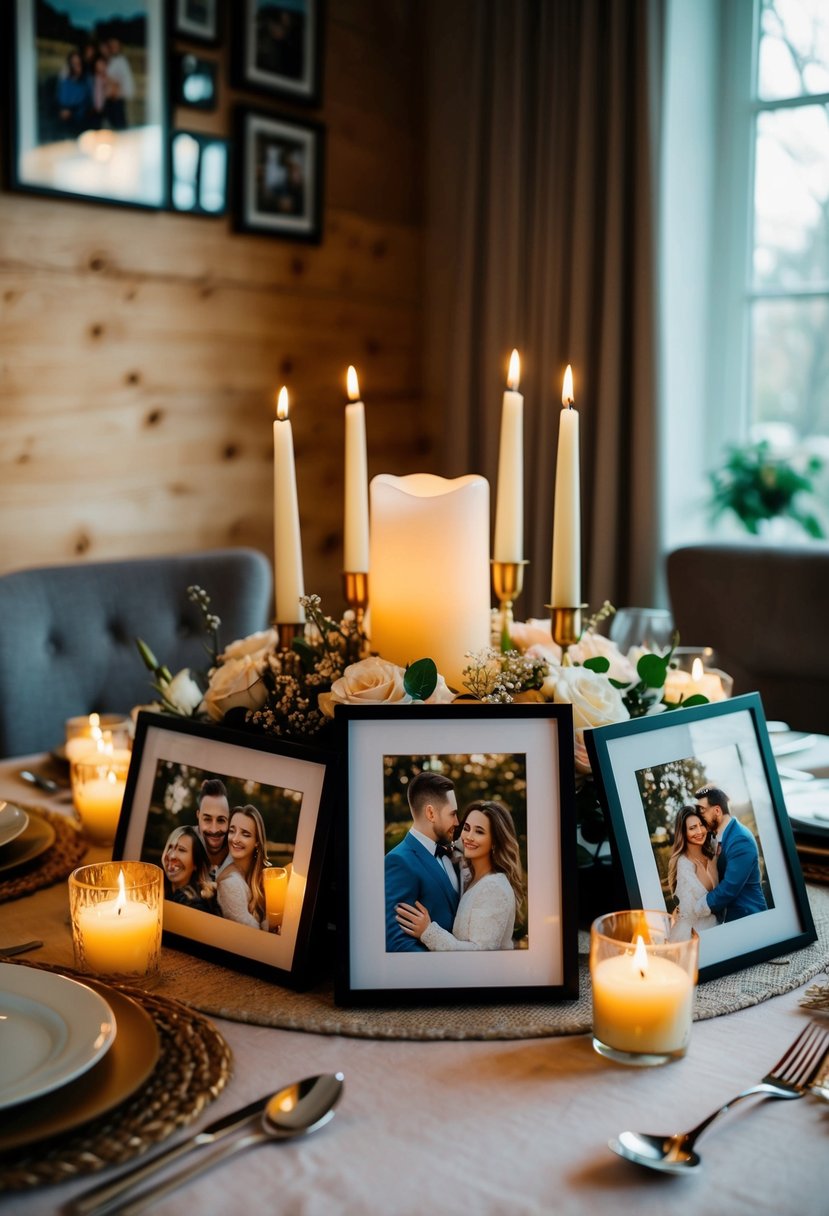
(594, 699)
(235, 683)
(183, 693)
(442, 695)
(372, 681)
(524, 634)
(596, 646)
(256, 646)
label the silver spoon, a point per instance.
(294, 1111)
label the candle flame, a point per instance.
(121, 899)
(567, 397)
(353, 384)
(94, 721)
(640, 957)
(111, 777)
(696, 670)
(514, 373)
(282, 404)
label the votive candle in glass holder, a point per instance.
(83, 733)
(98, 782)
(115, 908)
(693, 671)
(643, 987)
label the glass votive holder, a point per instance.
(115, 908)
(98, 783)
(643, 987)
(276, 887)
(82, 733)
(693, 670)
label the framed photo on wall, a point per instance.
(89, 101)
(701, 829)
(239, 825)
(198, 173)
(463, 813)
(196, 20)
(278, 176)
(277, 48)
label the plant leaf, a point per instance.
(652, 670)
(421, 679)
(599, 663)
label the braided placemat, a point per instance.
(57, 863)
(193, 1068)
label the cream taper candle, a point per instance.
(430, 569)
(566, 581)
(509, 510)
(356, 481)
(287, 545)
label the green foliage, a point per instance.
(421, 679)
(757, 486)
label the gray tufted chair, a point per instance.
(764, 608)
(67, 633)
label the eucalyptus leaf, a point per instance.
(696, 699)
(652, 670)
(599, 664)
(421, 679)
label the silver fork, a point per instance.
(789, 1078)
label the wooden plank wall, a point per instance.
(140, 352)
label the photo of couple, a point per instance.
(218, 850)
(705, 841)
(455, 861)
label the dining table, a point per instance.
(516, 1124)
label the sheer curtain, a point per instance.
(541, 179)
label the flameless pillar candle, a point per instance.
(430, 569)
(287, 547)
(356, 481)
(566, 582)
(509, 510)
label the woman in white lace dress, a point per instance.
(692, 873)
(492, 885)
(241, 887)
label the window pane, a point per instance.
(790, 372)
(794, 48)
(791, 198)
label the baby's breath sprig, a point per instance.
(198, 596)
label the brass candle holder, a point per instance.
(286, 632)
(355, 589)
(507, 583)
(566, 625)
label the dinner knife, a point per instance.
(102, 1199)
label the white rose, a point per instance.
(594, 699)
(596, 646)
(256, 646)
(372, 681)
(183, 693)
(235, 683)
(442, 695)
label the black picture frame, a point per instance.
(277, 49)
(279, 165)
(294, 787)
(195, 81)
(196, 20)
(521, 753)
(199, 166)
(645, 770)
(96, 134)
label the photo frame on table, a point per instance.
(89, 112)
(198, 173)
(520, 756)
(647, 770)
(196, 20)
(278, 176)
(277, 48)
(268, 922)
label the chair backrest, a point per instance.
(763, 608)
(67, 633)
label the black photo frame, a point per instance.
(278, 176)
(647, 769)
(290, 786)
(277, 48)
(89, 106)
(196, 20)
(520, 755)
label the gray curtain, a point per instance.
(541, 180)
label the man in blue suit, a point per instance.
(419, 867)
(739, 892)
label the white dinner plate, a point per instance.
(52, 1029)
(809, 809)
(788, 744)
(13, 821)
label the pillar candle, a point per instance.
(276, 887)
(680, 685)
(287, 547)
(566, 582)
(509, 510)
(641, 1003)
(430, 569)
(356, 481)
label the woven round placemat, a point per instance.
(193, 1068)
(223, 993)
(57, 863)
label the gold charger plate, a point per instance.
(37, 838)
(124, 1068)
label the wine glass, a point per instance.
(648, 627)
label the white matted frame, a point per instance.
(537, 739)
(173, 752)
(724, 745)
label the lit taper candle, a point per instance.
(566, 582)
(287, 547)
(509, 510)
(356, 480)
